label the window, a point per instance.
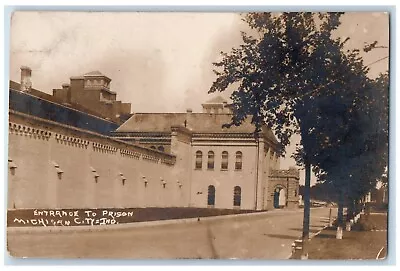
(237, 196)
(199, 159)
(224, 161)
(238, 163)
(153, 147)
(210, 163)
(161, 148)
(211, 195)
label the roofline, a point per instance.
(97, 75)
(222, 104)
(89, 133)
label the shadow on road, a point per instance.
(311, 230)
(326, 236)
(281, 236)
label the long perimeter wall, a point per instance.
(57, 166)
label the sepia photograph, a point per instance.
(198, 135)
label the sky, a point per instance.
(159, 62)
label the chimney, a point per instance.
(26, 83)
(187, 120)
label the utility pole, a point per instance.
(287, 191)
(306, 218)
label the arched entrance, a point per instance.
(211, 195)
(237, 196)
(279, 197)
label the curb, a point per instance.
(134, 225)
(317, 233)
(309, 238)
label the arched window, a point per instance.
(237, 196)
(224, 161)
(161, 148)
(238, 163)
(210, 162)
(211, 195)
(199, 159)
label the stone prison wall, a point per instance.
(51, 165)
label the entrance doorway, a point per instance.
(237, 196)
(279, 197)
(211, 195)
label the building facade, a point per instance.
(153, 159)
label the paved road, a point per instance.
(266, 237)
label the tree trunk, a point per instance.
(350, 209)
(356, 207)
(306, 218)
(339, 232)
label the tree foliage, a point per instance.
(292, 76)
(322, 191)
(282, 74)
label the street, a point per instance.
(268, 237)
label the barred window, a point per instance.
(210, 162)
(238, 163)
(224, 161)
(199, 160)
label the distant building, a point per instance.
(379, 195)
(92, 90)
(217, 105)
(89, 93)
(153, 159)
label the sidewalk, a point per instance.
(366, 240)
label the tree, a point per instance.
(360, 156)
(321, 191)
(295, 78)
